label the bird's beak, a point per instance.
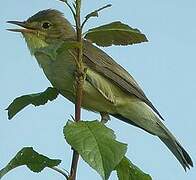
(24, 29)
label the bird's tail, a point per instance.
(175, 147)
(167, 138)
(178, 151)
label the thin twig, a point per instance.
(94, 14)
(60, 171)
(70, 7)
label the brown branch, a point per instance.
(79, 85)
(79, 79)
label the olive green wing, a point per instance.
(101, 85)
(102, 63)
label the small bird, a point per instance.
(108, 88)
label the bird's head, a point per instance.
(43, 28)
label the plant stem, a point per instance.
(79, 64)
(71, 9)
(94, 14)
(60, 171)
(79, 85)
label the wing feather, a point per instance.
(98, 83)
(102, 63)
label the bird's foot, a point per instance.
(104, 117)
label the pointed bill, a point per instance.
(22, 24)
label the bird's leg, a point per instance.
(104, 117)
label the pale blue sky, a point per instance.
(164, 67)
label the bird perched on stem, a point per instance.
(108, 88)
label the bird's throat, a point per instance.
(34, 42)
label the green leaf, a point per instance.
(36, 99)
(96, 144)
(128, 171)
(63, 0)
(95, 13)
(92, 14)
(33, 160)
(115, 33)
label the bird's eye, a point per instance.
(46, 25)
